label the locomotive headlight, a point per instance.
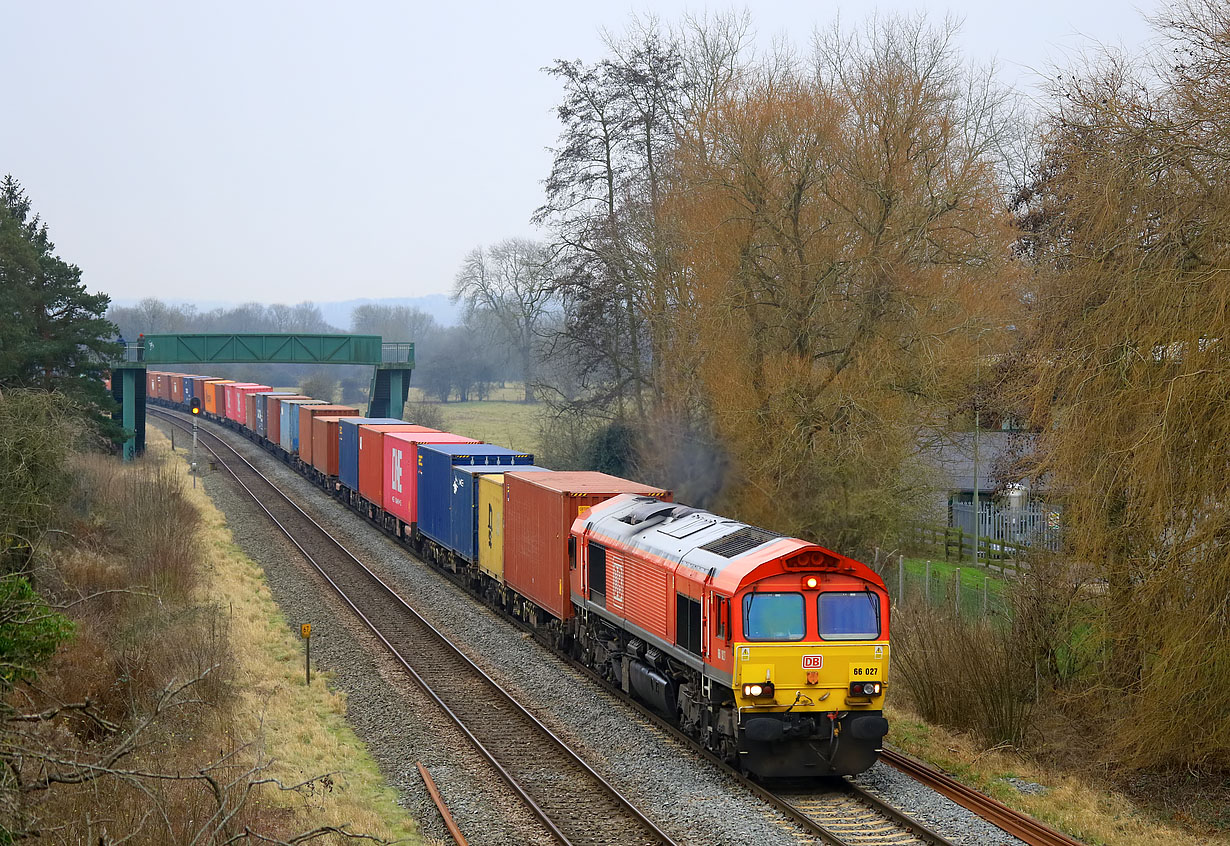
(811, 583)
(755, 690)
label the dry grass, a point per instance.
(1078, 805)
(303, 730)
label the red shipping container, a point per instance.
(273, 417)
(164, 386)
(324, 443)
(306, 413)
(401, 461)
(151, 383)
(371, 457)
(539, 509)
(234, 399)
(242, 392)
(177, 387)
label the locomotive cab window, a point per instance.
(597, 574)
(849, 615)
(773, 616)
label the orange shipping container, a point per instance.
(215, 401)
(307, 432)
(539, 509)
(324, 443)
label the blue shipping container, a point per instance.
(435, 480)
(348, 447)
(463, 509)
(290, 423)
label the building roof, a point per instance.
(953, 460)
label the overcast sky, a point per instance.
(325, 150)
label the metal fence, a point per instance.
(972, 591)
(1036, 525)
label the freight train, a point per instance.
(770, 651)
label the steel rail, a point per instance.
(521, 791)
(442, 806)
(1019, 825)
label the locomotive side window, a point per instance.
(687, 623)
(597, 574)
(849, 615)
(773, 616)
(721, 616)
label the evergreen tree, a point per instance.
(53, 335)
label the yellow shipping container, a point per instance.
(491, 525)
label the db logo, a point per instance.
(813, 662)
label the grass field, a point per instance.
(500, 420)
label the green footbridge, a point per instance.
(390, 385)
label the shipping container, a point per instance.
(177, 387)
(539, 509)
(242, 392)
(324, 443)
(151, 383)
(465, 522)
(234, 398)
(289, 433)
(435, 480)
(273, 415)
(260, 402)
(348, 447)
(189, 388)
(371, 456)
(215, 397)
(163, 386)
(228, 402)
(306, 413)
(401, 456)
(491, 525)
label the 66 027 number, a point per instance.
(866, 671)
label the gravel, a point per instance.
(691, 799)
(939, 813)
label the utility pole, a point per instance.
(194, 452)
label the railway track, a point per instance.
(576, 804)
(836, 811)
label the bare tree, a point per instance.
(511, 285)
(393, 323)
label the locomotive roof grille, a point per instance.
(740, 541)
